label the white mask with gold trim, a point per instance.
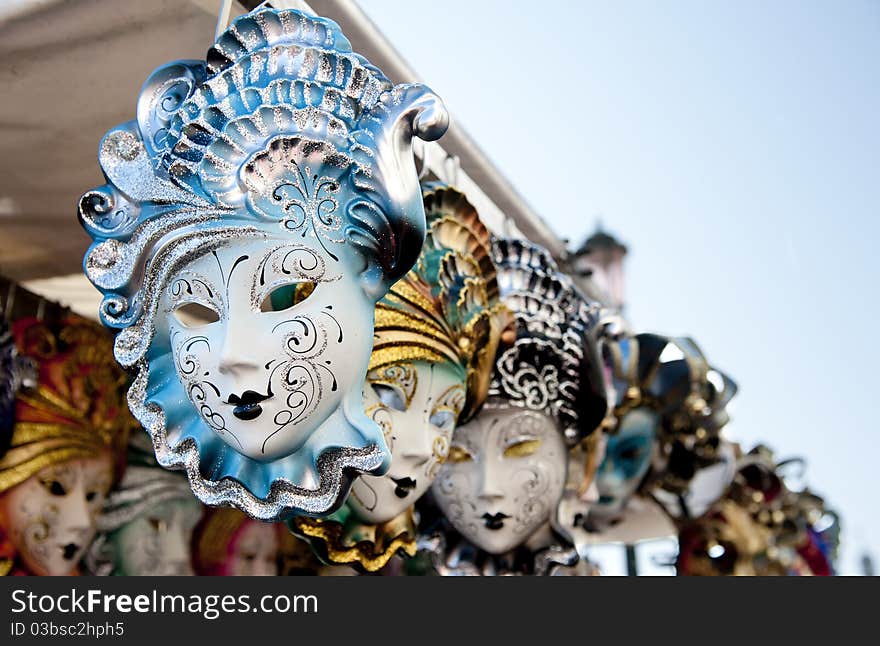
(417, 406)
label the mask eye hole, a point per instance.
(522, 449)
(458, 454)
(443, 419)
(630, 453)
(158, 524)
(390, 396)
(55, 488)
(194, 315)
(286, 296)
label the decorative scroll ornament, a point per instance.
(271, 190)
(436, 335)
(553, 365)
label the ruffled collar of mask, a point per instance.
(343, 539)
(452, 555)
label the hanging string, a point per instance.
(451, 169)
(223, 18)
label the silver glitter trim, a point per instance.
(273, 78)
(337, 468)
(553, 366)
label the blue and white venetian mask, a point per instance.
(256, 210)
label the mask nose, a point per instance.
(490, 485)
(176, 551)
(421, 451)
(237, 353)
(607, 467)
(74, 516)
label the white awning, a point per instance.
(72, 70)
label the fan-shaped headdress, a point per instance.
(77, 408)
(447, 308)
(552, 366)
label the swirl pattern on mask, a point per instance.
(553, 365)
(283, 132)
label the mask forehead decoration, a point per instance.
(552, 366)
(445, 313)
(281, 164)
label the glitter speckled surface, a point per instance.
(283, 132)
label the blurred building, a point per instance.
(597, 267)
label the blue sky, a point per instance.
(735, 148)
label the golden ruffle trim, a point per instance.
(397, 535)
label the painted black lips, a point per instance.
(494, 521)
(247, 406)
(404, 486)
